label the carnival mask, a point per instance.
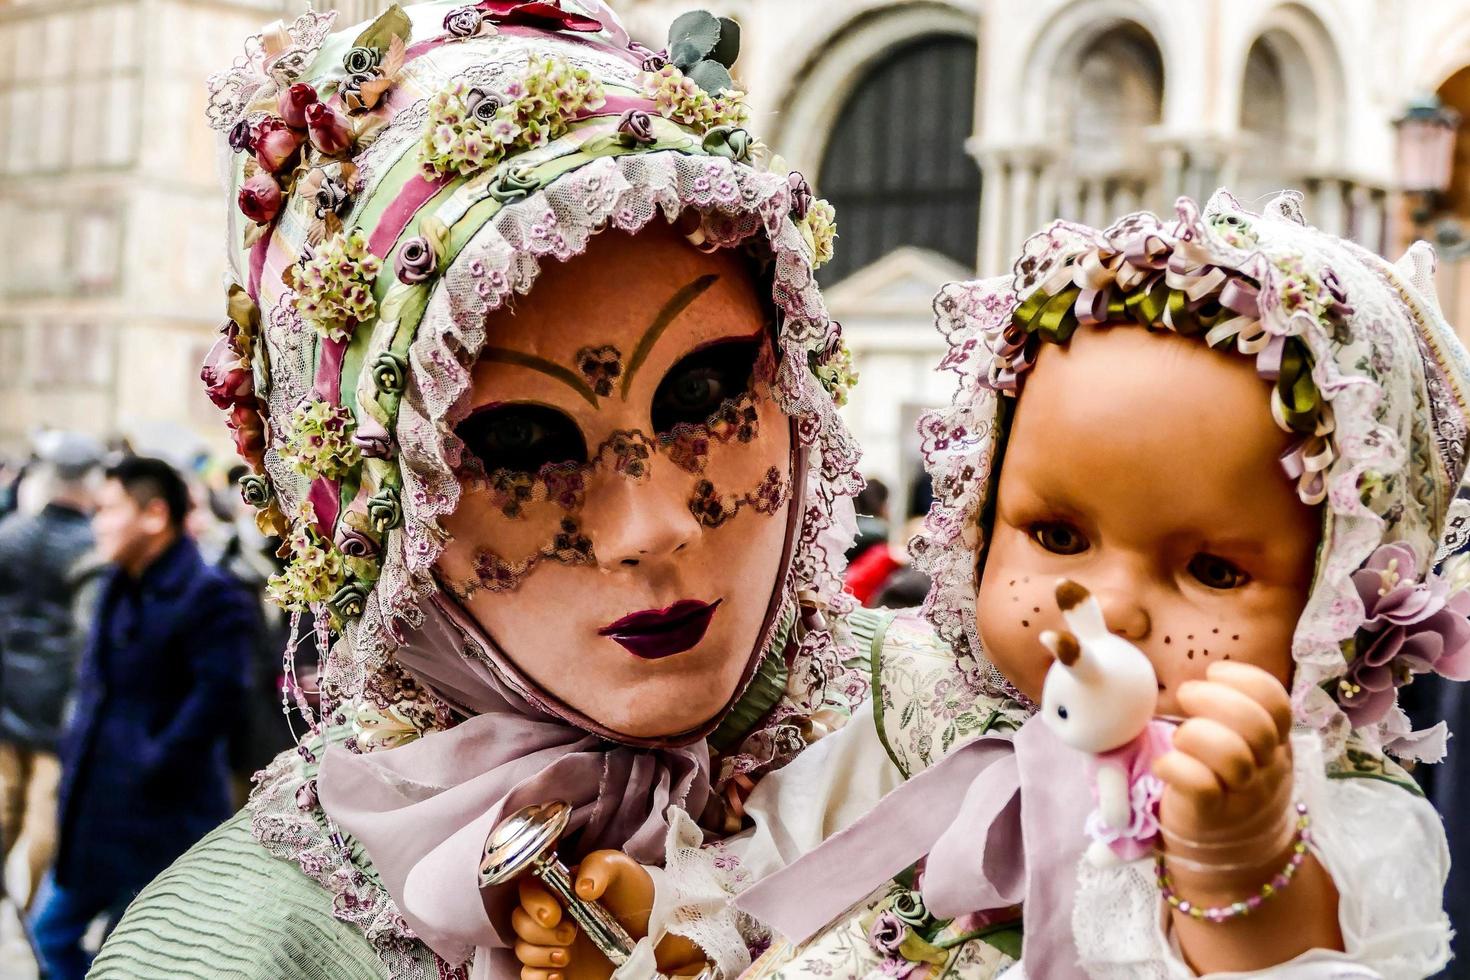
(626, 476)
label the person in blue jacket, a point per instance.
(144, 759)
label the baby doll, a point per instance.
(1245, 438)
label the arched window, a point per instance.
(1278, 105)
(896, 168)
(1117, 94)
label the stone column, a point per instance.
(995, 194)
(1022, 199)
(1171, 165)
(1367, 217)
(1094, 201)
(1328, 212)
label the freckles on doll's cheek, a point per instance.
(1186, 654)
(1015, 609)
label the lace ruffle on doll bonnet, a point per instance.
(1362, 370)
(398, 182)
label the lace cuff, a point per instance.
(692, 895)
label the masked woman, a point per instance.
(528, 361)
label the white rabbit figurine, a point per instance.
(1099, 697)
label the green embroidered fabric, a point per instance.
(227, 909)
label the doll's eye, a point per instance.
(522, 437)
(1059, 537)
(1215, 572)
(1062, 712)
(694, 389)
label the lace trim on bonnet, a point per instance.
(1385, 452)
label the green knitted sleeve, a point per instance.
(228, 909)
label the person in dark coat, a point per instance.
(144, 762)
(40, 548)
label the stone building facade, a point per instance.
(944, 130)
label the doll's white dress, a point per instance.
(1381, 840)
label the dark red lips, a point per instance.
(657, 633)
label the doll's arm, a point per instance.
(1383, 848)
(1227, 821)
(1369, 889)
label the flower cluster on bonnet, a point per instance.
(680, 99)
(319, 441)
(302, 125)
(316, 569)
(334, 286)
(472, 129)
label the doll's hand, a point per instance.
(1228, 780)
(551, 946)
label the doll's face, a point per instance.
(626, 482)
(1145, 466)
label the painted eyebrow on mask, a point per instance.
(565, 375)
(677, 304)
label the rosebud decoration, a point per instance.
(248, 430)
(361, 61)
(887, 933)
(464, 22)
(354, 543)
(349, 600)
(275, 144)
(329, 130)
(801, 195)
(227, 378)
(540, 14)
(332, 197)
(513, 185)
(293, 102)
(389, 373)
(384, 510)
(372, 439)
(260, 199)
(908, 906)
(655, 61)
(635, 127)
(730, 142)
(255, 490)
(416, 261)
(483, 105)
(242, 140)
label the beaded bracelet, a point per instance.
(1224, 913)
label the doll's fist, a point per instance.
(1228, 780)
(551, 946)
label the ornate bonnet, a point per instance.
(1363, 370)
(397, 183)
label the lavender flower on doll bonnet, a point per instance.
(1364, 372)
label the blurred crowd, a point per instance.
(879, 573)
(141, 676)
